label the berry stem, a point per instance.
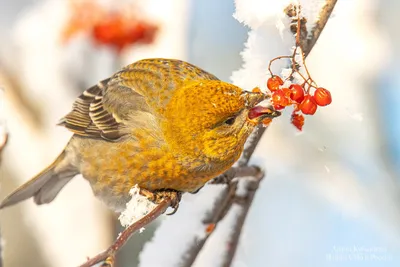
(272, 60)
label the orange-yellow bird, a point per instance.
(162, 124)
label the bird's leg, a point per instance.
(158, 196)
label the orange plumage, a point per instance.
(161, 124)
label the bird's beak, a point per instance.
(252, 99)
(259, 113)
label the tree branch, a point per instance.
(324, 15)
(245, 202)
(127, 233)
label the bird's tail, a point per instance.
(45, 186)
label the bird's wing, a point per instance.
(95, 117)
(103, 110)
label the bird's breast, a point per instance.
(114, 168)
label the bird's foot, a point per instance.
(159, 195)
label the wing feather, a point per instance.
(89, 116)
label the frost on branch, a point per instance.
(265, 40)
(138, 207)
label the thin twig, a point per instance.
(236, 172)
(128, 232)
(221, 207)
(237, 229)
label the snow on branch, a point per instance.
(136, 208)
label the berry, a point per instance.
(278, 107)
(286, 92)
(297, 93)
(274, 82)
(322, 96)
(117, 31)
(279, 100)
(297, 121)
(210, 228)
(308, 105)
(266, 121)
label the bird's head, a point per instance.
(211, 120)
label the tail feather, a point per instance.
(50, 189)
(45, 186)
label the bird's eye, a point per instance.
(230, 121)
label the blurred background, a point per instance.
(331, 194)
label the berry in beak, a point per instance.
(261, 112)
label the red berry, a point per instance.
(286, 92)
(322, 96)
(274, 82)
(119, 32)
(279, 100)
(297, 93)
(266, 121)
(297, 121)
(308, 105)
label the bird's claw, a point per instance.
(159, 195)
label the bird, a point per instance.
(164, 125)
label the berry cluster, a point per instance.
(298, 96)
(117, 28)
(306, 95)
(117, 31)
